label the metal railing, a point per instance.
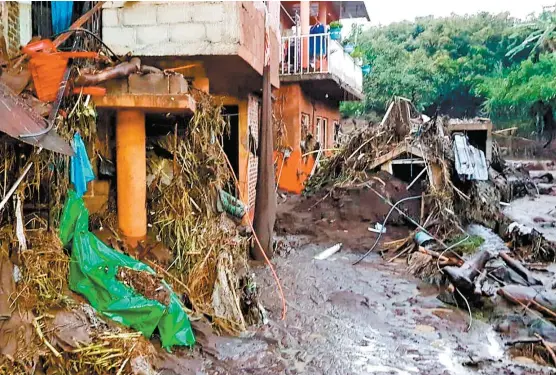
(305, 54)
(318, 53)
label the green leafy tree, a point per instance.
(527, 91)
(542, 37)
(435, 62)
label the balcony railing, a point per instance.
(318, 53)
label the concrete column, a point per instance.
(131, 157)
(25, 22)
(304, 14)
(323, 11)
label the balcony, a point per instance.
(226, 39)
(316, 57)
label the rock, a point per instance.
(71, 329)
(524, 360)
(544, 329)
(424, 328)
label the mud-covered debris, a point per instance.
(144, 283)
(71, 329)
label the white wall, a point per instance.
(172, 28)
(25, 22)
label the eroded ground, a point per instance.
(366, 319)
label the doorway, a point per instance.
(231, 138)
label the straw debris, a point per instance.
(44, 269)
(183, 212)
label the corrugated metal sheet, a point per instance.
(17, 118)
(470, 162)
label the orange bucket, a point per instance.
(47, 71)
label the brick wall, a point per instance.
(253, 105)
(10, 23)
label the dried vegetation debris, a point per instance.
(144, 283)
(184, 217)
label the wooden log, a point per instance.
(119, 71)
(463, 277)
(531, 297)
(520, 269)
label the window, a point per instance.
(336, 131)
(304, 121)
(324, 133)
(318, 131)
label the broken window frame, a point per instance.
(336, 130)
(324, 133)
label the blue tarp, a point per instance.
(61, 15)
(81, 171)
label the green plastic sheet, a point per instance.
(92, 273)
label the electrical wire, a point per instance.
(90, 33)
(384, 226)
(272, 270)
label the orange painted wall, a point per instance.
(316, 108)
(291, 102)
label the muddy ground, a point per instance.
(354, 320)
(346, 214)
(372, 318)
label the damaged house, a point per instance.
(316, 74)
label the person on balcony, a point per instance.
(317, 45)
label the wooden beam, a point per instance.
(148, 102)
(408, 161)
(400, 149)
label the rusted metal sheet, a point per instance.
(470, 162)
(18, 118)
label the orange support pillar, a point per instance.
(131, 157)
(323, 11)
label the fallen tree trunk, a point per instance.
(462, 277)
(520, 269)
(118, 71)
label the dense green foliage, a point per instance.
(461, 66)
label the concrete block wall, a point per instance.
(181, 28)
(164, 28)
